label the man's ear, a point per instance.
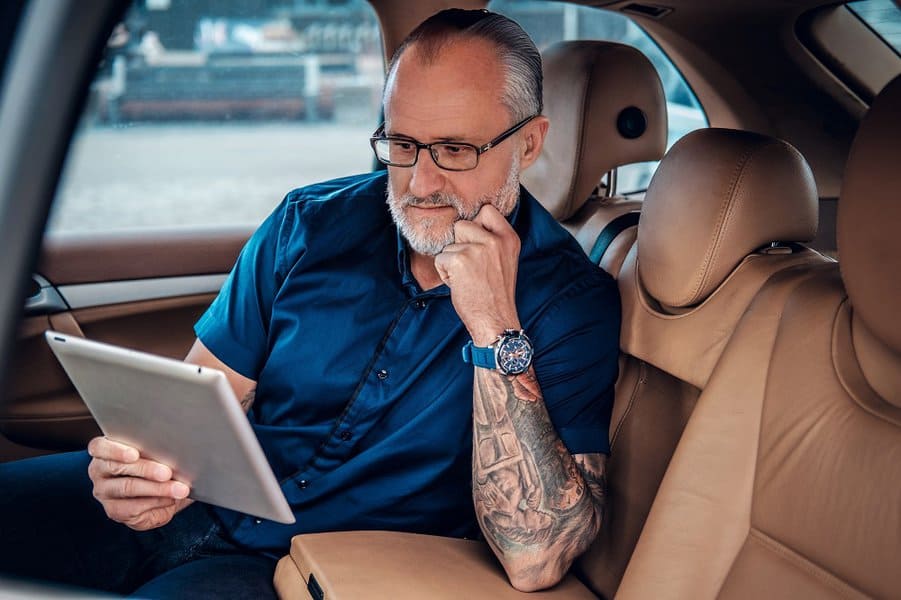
(534, 134)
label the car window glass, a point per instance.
(207, 113)
(551, 22)
(883, 17)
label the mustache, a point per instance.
(436, 199)
(440, 199)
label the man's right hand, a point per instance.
(135, 491)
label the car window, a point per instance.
(551, 22)
(207, 113)
(883, 17)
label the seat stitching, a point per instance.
(739, 198)
(642, 377)
(722, 216)
(800, 561)
(841, 372)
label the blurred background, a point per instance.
(207, 112)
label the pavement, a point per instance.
(158, 175)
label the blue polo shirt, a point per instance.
(363, 403)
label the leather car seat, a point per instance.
(712, 232)
(734, 209)
(787, 480)
(607, 109)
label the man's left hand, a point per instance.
(480, 270)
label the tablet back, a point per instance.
(181, 415)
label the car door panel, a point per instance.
(142, 291)
(89, 257)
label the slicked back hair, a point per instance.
(515, 50)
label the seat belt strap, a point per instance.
(609, 233)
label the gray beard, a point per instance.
(430, 237)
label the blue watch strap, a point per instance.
(480, 357)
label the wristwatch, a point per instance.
(510, 353)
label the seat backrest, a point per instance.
(705, 246)
(607, 109)
(787, 480)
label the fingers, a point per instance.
(102, 447)
(143, 468)
(135, 491)
(441, 268)
(448, 261)
(491, 219)
(470, 232)
(152, 519)
(134, 487)
(134, 509)
(115, 459)
(480, 270)
(118, 472)
(489, 228)
(143, 514)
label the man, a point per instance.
(341, 328)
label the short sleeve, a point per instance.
(576, 341)
(235, 327)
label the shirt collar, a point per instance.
(403, 257)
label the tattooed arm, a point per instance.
(538, 506)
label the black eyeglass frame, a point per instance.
(379, 135)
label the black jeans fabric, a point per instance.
(52, 529)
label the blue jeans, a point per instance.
(52, 528)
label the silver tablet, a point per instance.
(181, 415)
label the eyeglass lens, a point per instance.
(403, 153)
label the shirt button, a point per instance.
(382, 374)
(346, 435)
(257, 521)
(420, 304)
(302, 484)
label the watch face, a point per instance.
(514, 355)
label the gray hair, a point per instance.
(516, 51)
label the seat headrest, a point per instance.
(606, 107)
(717, 196)
(869, 218)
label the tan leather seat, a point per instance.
(607, 109)
(704, 249)
(787, 481)
(685, 284)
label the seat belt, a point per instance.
(609, 233)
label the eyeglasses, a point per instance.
(399, 151)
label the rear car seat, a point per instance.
(737, 171)
(787, 480)
(712, 232)
(607, 109)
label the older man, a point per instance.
(403, 361)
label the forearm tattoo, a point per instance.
(530, 494)
(247, 400)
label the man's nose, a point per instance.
(427, 177)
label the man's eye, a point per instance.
(402, 146)
(450, 149)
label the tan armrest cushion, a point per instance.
(380, 565)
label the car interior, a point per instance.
(756, 430)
